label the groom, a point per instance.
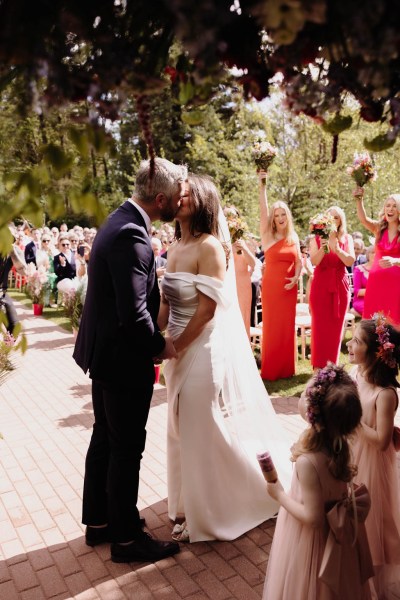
(117, 341)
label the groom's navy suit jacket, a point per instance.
(118, 335)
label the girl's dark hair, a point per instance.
(340, 414)
(206, 202)
(376, 371)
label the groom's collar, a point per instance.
(143, 213)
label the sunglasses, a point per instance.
(65, 245)
(74, 241)
(46, 241)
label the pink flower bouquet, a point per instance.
(323, 224)
(263, 155)
(237, 226)
(362, 169)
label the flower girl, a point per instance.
(320, 550)
(375, 349)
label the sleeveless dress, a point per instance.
(378, 471)
(360, 281)
(308, 563)
(383, 289)
(329, 300)
(243, 286)
(279, 312)
(214, 479)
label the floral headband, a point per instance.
(385, 352)
(316, 391)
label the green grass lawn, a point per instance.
(292, 386)
(57, 315)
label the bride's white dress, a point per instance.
(213, 476)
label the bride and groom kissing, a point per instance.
(219, 414)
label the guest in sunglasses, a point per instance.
(65, 265)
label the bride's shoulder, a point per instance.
(209, 243)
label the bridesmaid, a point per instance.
(245, 262)
(375, 349)
(329, 294)
(279, 286)
(383, 292)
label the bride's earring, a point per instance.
(337, 444)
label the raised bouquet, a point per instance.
(323, 224)
(362, 170)
(237, 226)
(263, 155)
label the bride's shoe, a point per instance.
(180, 532)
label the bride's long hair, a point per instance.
(205, 200)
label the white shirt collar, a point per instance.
(143, 213)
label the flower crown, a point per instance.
(386, 348)
(316, 392)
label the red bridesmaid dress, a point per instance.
(329, 300)
(279, 312)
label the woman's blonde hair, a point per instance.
(290, 234)
(382, 223)
(343, 221)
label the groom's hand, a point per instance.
(169, 350)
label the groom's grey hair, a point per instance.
(164, 179)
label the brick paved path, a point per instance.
(46, 419)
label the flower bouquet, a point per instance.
(237, 226)
(9, 343)
(323, 224)
(74, 300)
(263, 155)
(362, 169)
(36, 282)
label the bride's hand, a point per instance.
(275, 490)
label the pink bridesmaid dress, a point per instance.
(383, 289)
(302, 565)
(377, 469)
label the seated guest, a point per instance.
(65, 265)
(360, 280)
(33, 246)
(160, 261)
(359, 251)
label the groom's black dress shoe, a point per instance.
(144, 548)
(101, 535)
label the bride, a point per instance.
(219, 414)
